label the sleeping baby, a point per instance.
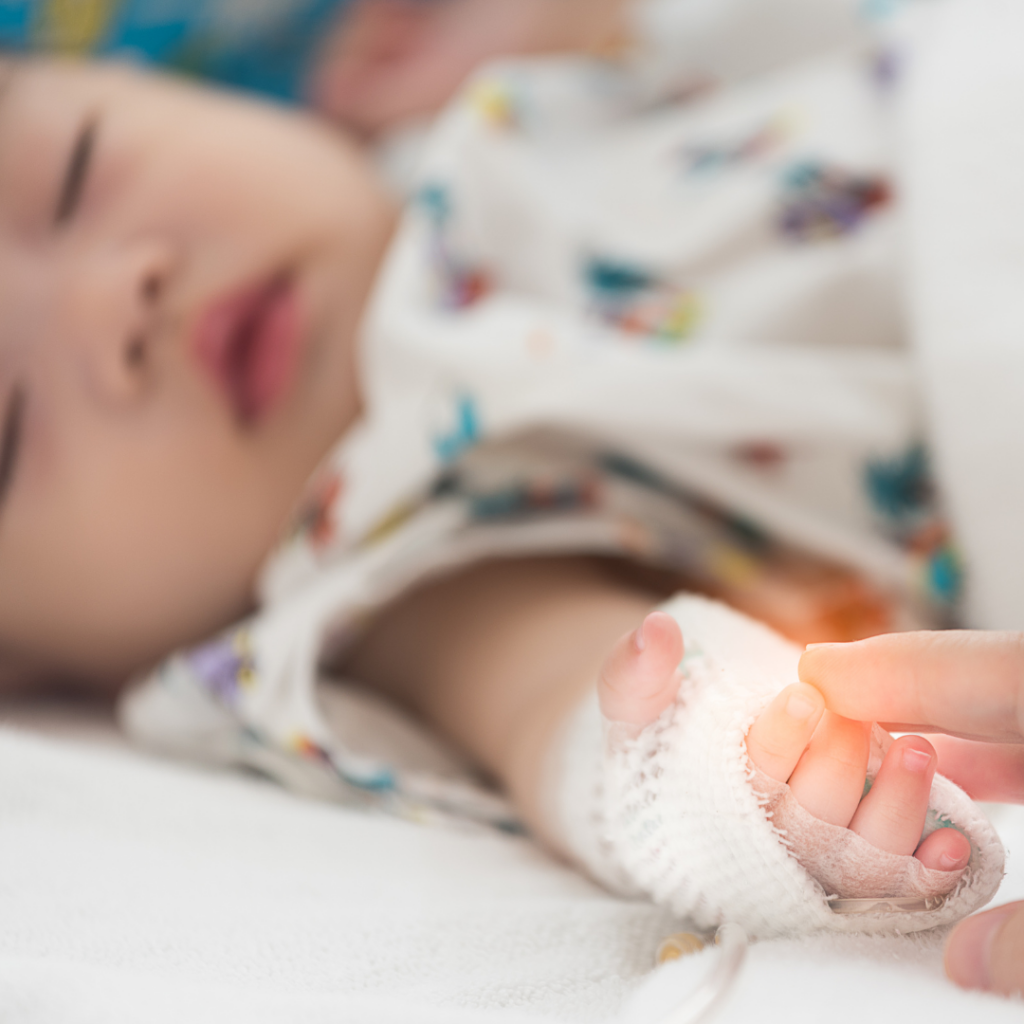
(639, 324)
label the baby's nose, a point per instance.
(114, 309)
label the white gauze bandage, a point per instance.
(678, 814)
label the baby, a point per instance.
(542, 370)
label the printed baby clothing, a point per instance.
(647, 308)
(263, 45)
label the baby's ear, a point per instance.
(378, 64)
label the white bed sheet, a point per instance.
(138, 890)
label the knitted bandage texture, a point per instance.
(672, 813)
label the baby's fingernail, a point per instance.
(947, 862)
(800, 708)
(969, 950)
(916, 761)
(639, 640)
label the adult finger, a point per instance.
(985, 771)
(987, 951)
(966, 682)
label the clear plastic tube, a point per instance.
(731, 940)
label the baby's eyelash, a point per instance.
(10, 441)
(77, 173)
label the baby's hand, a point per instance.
(822, 756)
(389, 61)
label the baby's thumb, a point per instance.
(639, 679)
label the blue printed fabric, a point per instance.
(262, 45)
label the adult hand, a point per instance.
(966, 684)
(970, 687)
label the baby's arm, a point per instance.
(389, 61)
(496, 656)
(503, 655)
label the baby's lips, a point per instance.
(249, 343)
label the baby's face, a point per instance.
(181, 276)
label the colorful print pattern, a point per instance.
(495, 103)
(225, 667)
(702, 159)
(316, 520)
(460, 283)
(264, 45)
(820, 203)
(903, 494)
(635, 302)
(73, 26)
(464, 434)
(532, 496)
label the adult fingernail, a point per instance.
(799, 707)
(969, 950)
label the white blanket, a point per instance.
(136, 890)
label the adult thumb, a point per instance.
(987, 951)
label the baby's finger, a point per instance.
(780, 735)
(892, 815)
(829, 780)
(945, 850)
(638, 680)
